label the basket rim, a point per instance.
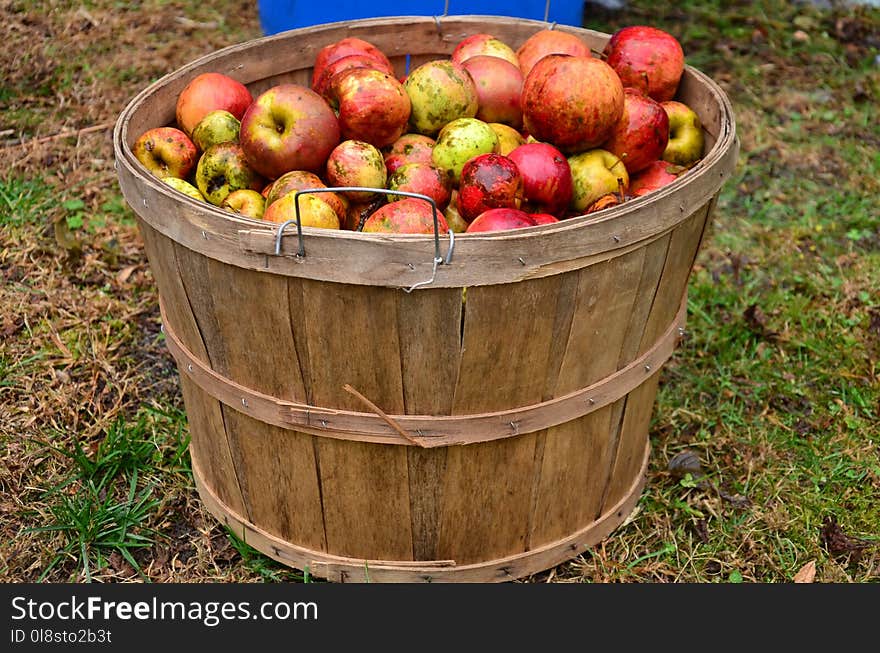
(710, 172)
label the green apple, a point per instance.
(246, 202)
(595, 173)
(461, 140)
(440, 91)
(184, 187)
(686, 139)
(217, 126)
(222, 169)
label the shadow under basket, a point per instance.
(345, 423)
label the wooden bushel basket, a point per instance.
(347, 423)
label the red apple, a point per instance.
(547, 182)
(641, 134)
(303, 180)
(543, 218)
(409, 148)
(488, 181)
(344, 47)
(483, 44)
(222, 169)
(656, 175)
(166, 152)
(208, 92)
(372, 105)
(572, 102)
(321, 83)
(421, 178)
(500, 219)
(441, 91)
(408, 216)
(356, 163)
(288, 127)
(549, 41)
(686, 139)
(646, 58)
(499, 87)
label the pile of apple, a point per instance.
(498, 138)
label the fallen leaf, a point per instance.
(123, 275)
(807, 573)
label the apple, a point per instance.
(500, 219)
(595, 173)
(459, 141)
(488, 181)
(356, 163)
(288, 127)
(345, 47)
(646, 58)
(499, 87)
(547, 181)
(641, 134)
(483, 44)
(166, 152)
(441, 91)
(543, 218)
(356, 213)
(246, 202)
(303, 180)
(321, 83)
(408, 216)
(572, 102)
(508, 137)
(312, 211)
(372, 106)
(217, 126)
(655, 176)
(549, 41)
(409, 148)
(208, 92)
(224, 168)
(422, 178)
(686, 139)
(453, 217)
(184, 187)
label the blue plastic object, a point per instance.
(282, 15)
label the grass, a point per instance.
(765, 448)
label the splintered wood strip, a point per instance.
(351, 335)
(487, 479)
(347, 569)
(204, 412)
(577, 453)
(429, 330)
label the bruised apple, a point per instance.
(408, 216)
(483, 44)
(422, 178)
(646, 58)
(488, 181)
(441, 91)
(166, 152)
(348, 46)
(321, 83)
(571, 101)
(655, 176)
(297, 180)
(224, 168)
(409, 148)
(356, 163)
(312, 211)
